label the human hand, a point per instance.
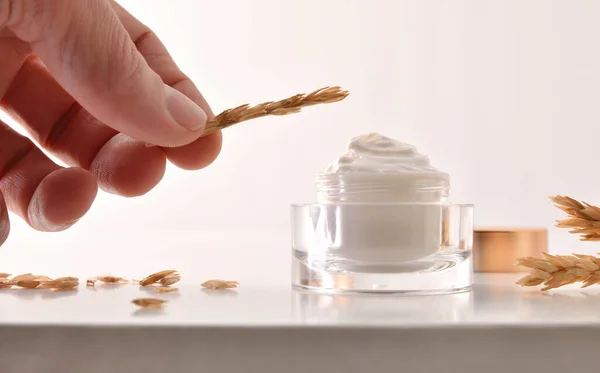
(91, 85)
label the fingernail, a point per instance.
(184, 110)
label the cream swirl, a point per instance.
(377, 168)
(378, 153)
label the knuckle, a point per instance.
(50, 139)
(31, 17)
(121, 66)
(149, 46)
(125, 75)
(142, 41)
(158, 58)
(113, 68)
(20, 149)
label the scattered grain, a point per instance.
(165, 289)
(23, 277)
(149, 303)
(66, 283)
(27, 284)
(156, 277)
(170, 279)
(106, 279)
(220, 284)
(67, 279)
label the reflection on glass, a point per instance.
(313, 308)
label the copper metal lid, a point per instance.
(496, 249)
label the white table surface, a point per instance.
(496, 327)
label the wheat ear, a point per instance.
(584, 219)
(290, 105)
(559, 270)
(287, 106)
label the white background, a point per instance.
(503, 95)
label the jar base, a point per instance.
(443, 275)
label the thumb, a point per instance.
(89, 52)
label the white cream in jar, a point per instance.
(380, 169)
(367, 182)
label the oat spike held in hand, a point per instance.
(559, 270)
(584, 219)
(287, 106)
